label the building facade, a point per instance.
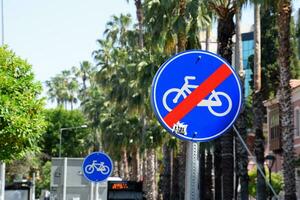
(274, 142)
(248, 50)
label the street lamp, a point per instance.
(271, 160)
(68, 128)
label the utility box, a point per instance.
(67, 180)
(69, 183)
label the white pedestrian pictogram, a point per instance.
(212, 101)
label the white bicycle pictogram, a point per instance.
(100, 167)
(212, 101)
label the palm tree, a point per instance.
(242, 155)
(63, 88)
(225, 11)
(285, 102)
(84, 72)
(72, 91)
(140, 18)
(55, 90)
(93, 106)
(119, 77)
(258, 107)
(117, 29)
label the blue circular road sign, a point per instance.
(196, 95)
(97, 167)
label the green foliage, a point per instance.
(269, 52)
(297, 162)
(298, 34)
(22, 168)
(269, 39)
(21, 119)
(73, 141)
(44, 178)
(295, 63)
(269, 62)
(277, 181)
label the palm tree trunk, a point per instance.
(181, 164)
(176, 180)
(141, 167)
(155, 173)
(125, 163)
(217, 168)
(285, 101)
(207, 37)
(242, 155)
(258, 108)
(166, 174)
(116, 169)
(135, 164)
(257, 48)
(202, 170)
(144, 171)
(139, 15)
(208, 177)
(84, 83)
(121, 169)
(225, 33)
(182, 40)
(150, 175)
(259, 143)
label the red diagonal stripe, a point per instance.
(182, 109)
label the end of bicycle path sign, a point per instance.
(97, 167)
(196, 95)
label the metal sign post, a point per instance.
(96, 191)
(92, 190)
(64, 187)
(2, 180)
(258, 167)
(192, 172)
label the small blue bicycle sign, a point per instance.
(97, 167)
(196, 95)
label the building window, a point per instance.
(297, 122)
(274, 131)
(274, 125)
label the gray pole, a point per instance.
(33, 186)
(60, 132)
(96, 191)
(92, 191)
(2, 21)
(2, 180)
(65, 180)
(192, 172)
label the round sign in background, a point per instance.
(89, 170)
(202, 123)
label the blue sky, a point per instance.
(54, 35)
